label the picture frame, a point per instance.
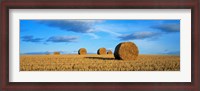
(103, 4)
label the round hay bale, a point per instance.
(82, 51)
(126, 51)
(56, 53)
(101, 51)
(109, 52)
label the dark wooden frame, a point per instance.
(100, 4)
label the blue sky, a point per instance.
(67, 36)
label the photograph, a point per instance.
(99, 45)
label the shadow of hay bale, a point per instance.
(100, 58)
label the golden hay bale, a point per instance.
(109, 52)
(82, 51)
(56, 53)
(101, 51)
(126, 51)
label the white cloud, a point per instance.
(94, 36)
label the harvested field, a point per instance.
(94, 62)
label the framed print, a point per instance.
(100, 45)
